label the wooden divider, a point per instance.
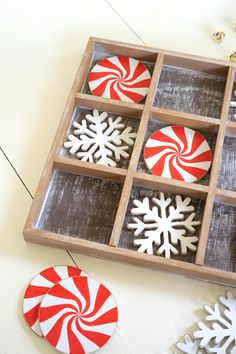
(118, 224)
(88, 169)
(231, 129)
(170, 185)
(110, 105)
(191, 120)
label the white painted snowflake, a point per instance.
(101, 139)
(190, 346)
(219, 330)
(166, 225)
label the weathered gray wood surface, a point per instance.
(221, 246)
(80, 206)
(190, 91)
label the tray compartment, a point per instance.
(155, 125)
(137, 192)
(227, 174)
(132, 119)
(191, 90)
(221, 246)
(102, 51)
(80, 206)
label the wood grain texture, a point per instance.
(170, 185)
(109, 105)
(190, 91)
(80, 206)
(194, 121)
(227, 174)
(89, 169)
(221, 245)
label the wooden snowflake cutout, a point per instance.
(218, 332)
(190, 346)
(100, 139)
(164, 225)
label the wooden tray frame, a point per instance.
(210, 193)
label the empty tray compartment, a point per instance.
(221, 245)
(131, 119)
(80, 206)
(155, 125)
(232, 110)
(227, 174)
(190, 90)
(102, 51)
(127, 235)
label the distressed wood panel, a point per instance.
(227, 175)
(221, 246)
(80, 206)
(190, 91)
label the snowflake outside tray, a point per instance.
(217, 334)
(100, 139)
(164, 225)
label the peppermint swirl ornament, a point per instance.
(37, 289)
(78, 315)
(178, 152)
(121, 78)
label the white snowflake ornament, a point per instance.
(219, 330)
(101, 139)
(190, 346)
(164, 225)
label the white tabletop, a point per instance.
(41, 45)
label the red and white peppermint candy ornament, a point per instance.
(37, 289)
(179, 153)
(78, 315)
(121, 78)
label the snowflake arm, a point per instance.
(146, 244)
(139, 226)
(73, 144)
(143, 208)
(127, 136)
(189, 346)
(82, 129)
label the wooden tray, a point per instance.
(84, 207)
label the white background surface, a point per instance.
(41, 45)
